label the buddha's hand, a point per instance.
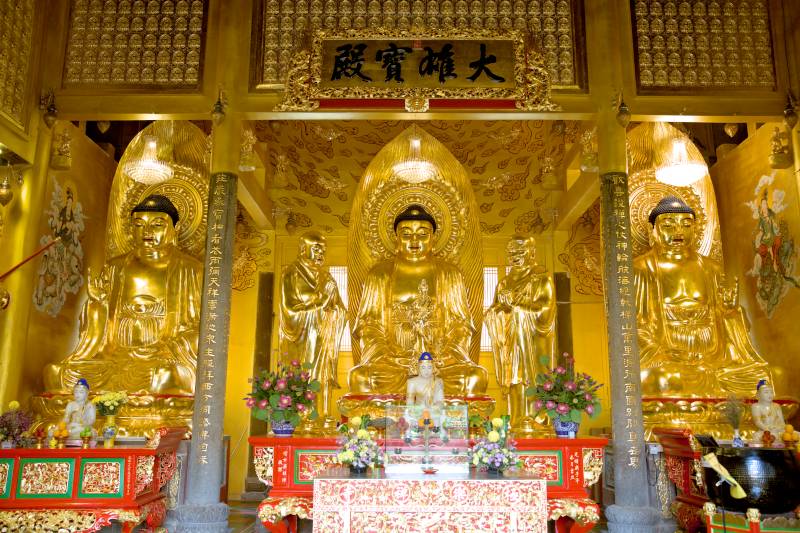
(506, 298)
(96, 286)
(729, 295)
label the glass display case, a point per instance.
(426, 439)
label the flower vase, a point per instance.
(282, 428)
(494, 471)
(738, 442)
(565, 429)
(358, 470)
(110, 431)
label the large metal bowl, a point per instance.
(769, 476)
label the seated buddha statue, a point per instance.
(412, 303)
(425, 388)
(139, 326)
(693, 340)
(767, 415)
(80, 412)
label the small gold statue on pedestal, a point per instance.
(521, 323)
(414, 302)
(312, 320)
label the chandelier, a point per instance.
(677, 160)
(148, 169)
(414, 169)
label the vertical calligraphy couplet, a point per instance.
(621, 312)
(205, 468)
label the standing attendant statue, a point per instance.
(80, 412)
(521, 323)
(312, 318)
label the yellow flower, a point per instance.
(497, 422)
(362, 434)
(13, 405)
(475, 460)
(355, 421)
(493, 436)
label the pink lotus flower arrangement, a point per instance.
(284, 395)
(564, 394)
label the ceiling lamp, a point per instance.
(677, 160)
(148, 169)
(415, 169)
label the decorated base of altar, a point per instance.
(289, 466)
(375, 405)
(141, 416)
(703, 415)
(74, 489)
(719, 521)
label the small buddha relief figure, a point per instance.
(414, 302)
(767, 415)
(693, 339)
(80, 412)
(521, 323)
(312, 318)
(139, 326)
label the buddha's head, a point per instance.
(673, 225)
(81, 391)
(414, 228)
(312, 248)
(521, 251)
(154, 221)
(764, 391)
(426, 365)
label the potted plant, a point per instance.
(358, 449)
(14, 424)
(494, 452)
(108, 405)
(284, 397)
(566, 395)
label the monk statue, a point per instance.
(522, 323)
(767, 415)
(312, 318)
(693, 340)
(139, 326)
(80, 413)
(411, 303)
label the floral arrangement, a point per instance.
(109, 403)
(358, 449)
(14, 424)
(494, 451)
(285, 394)
(564, 394)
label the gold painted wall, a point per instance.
(51, 337)
(739, 179)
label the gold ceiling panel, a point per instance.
(703, 45)
(315, 168)
(556, 26)
(16, 36)
(136, 43)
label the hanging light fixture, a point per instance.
(677, 160)
(414, 169)
(148, 169)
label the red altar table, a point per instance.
(84, 490)
(288, 466)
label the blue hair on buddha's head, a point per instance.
(761, 383)
(83, 383)
(426, 356)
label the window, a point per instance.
(339, 274)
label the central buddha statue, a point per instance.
(139, 327)
(693, 340)
(414, 302)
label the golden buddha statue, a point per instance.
(139, 327)
(522, 324)
(693, 340)
(312, 318)
(414, 302)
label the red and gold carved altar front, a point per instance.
(419, 503)
(288, 466)
(85, 489)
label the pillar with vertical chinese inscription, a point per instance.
(631, 512)
(203, 512)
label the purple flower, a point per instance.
(548, 385)
(550, 404)
(538, 405)
(290, 374)
(301, 407)
(562, 409)
(310, 395)
(250, 402)
(265, 384)
(590, 409)
(587, 396)
(280, 384)
(304, 375)
(285, 401)
(295, 362)
(263, 404)
(570, 386)
(561, 370)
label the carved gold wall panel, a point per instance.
(16, 36)
(703, 44)
(555, 25)
(136, 43)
